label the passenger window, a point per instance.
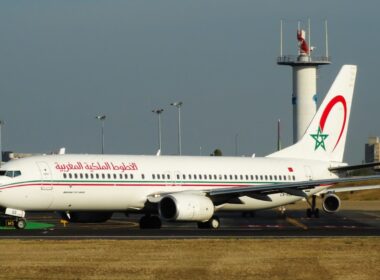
(81, 176)
(70, 176)
(86, 175)
(125, 176)
(158, 176)
(236, 177)
(178, 177)
(195, 177)
(246, 177)
(241, 177)
(270, 177)
(225, 177)
(294, 178)
(64, 175)
(97, 176)
(131, 176)
(103, 176)
(189, 176)
(163, 176)
(76, 176)
(251, 177)
(142, 176)
(168, 176)
(231, 177)
(153, 176)
(121, 176)
(114, 176)
(184, 176)
(92, 176)
(109, 176)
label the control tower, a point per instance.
(304, 66)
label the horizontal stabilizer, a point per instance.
(354, 167)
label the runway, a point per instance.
(265, 224)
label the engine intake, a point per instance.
(186, 207)
(331, 203)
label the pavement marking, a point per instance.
(296, 223)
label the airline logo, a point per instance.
(320, 136)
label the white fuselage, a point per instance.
(123, 183)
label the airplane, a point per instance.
(90, 188)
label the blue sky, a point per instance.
(64, 62)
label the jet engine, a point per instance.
(186, 207)
(331, 203)
(86, 217)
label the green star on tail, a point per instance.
(319, 139)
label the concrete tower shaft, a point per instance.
(304, 96)
(304, 99)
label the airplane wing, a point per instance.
(262, 192)
(350, 189)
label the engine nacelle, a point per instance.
(86, 217)
(186, 207)
(331, 203)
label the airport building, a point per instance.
(372, 149)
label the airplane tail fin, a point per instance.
(325, 138)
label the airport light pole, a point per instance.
(1, 148)
(178, 105)
(159, 112)
(102, 118)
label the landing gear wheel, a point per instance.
(20, 224)
(316, 213)
(213, 223)
(309, 213)
(150, 222)
(313, 211)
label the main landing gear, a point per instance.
(313, 211)
(150, 222)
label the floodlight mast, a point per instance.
(102, 118)
(1, 148)
(159, 112)
(179, 105)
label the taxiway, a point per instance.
(356, 219)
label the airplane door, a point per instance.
(45, 176)
(308, 173)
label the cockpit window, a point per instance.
(10, 173)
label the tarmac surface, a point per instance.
(355, 219)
